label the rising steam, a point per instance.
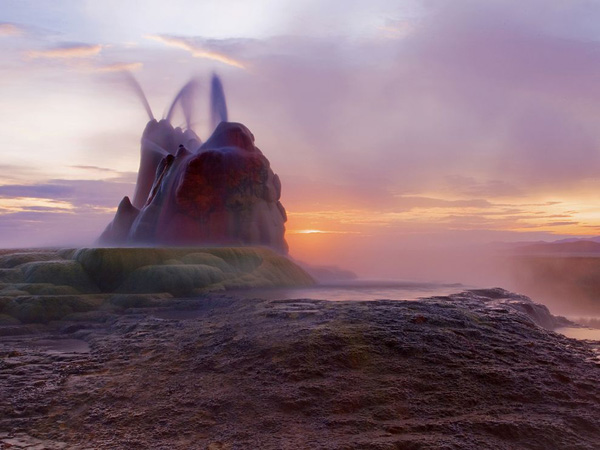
(137, 89)
(218, 106)
(185, 98)
(160, 138)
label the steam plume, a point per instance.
(137, 89)
(218, 106)
(185, 98)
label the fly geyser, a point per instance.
(220, 192)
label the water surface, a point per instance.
(357, 291)
(592, 334)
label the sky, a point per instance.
(396, 126)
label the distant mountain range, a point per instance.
(563, 246)
(590, 239)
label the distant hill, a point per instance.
(562, 247)
(568, 240)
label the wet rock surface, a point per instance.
(456, 372)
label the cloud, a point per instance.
(20, 204)
(470, 186)
(476, 90)
(79, 193)
(11, 173)
(96, 168)
(196, 49)
(109, 175)
(427, 203)
(58, 212)
(11, 29)
(68, 51)
(562, 223)
(47, 191)
(121, 67)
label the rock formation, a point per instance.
(222, 192)
(42, 285)
(222, 372)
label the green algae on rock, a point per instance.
(44, 285)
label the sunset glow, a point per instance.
(390, 126)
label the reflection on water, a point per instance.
(357, 291)
(592, 334)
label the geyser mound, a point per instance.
(222, 192)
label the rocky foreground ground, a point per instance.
(473, 371)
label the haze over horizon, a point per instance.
(399, 131)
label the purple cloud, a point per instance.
(79, 193)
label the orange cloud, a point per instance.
(20, 204)
(120, 67)
(440, 212)
(75, 51)
(195, 50)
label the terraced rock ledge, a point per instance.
(51, 284)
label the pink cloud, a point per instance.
(121, 67)
(11, 29)
(66, 52)
(197, 50)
